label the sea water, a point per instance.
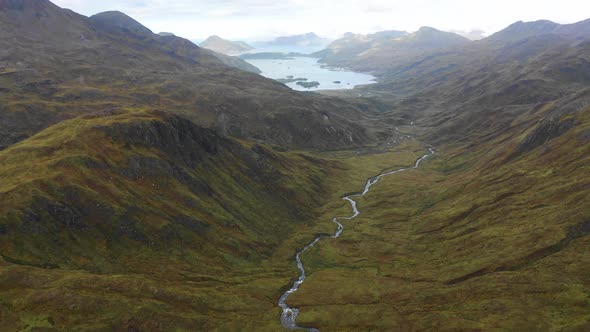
(306, 67)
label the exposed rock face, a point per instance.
(548, 129)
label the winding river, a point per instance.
(289, 314)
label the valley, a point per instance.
(150, 184)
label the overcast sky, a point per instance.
(265, 19)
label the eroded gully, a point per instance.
(289, 314)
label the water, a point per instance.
(289, 314)
(305, 67)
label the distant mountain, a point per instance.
(358, 43)
(521, 30)
(382, 50)
(472, 35)
(304, 43)
(115, 21)
(220, 45)
(524, 64)
(307, 39)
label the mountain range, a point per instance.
(303, 43)
(150, 185)
(491, 233)
(375, 52)
(147, 70)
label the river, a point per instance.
(289, 314)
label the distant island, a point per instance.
(291, 79)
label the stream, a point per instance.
(289, 314)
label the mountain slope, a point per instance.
(94, 64)
(126, 199)
(306, 39)
(491, 232)
(487, 235)
(152, 179)
(477, 90)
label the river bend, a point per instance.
(289, 314)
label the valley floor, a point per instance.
(182, 296)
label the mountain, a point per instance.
(107, 61)
(147, 186)
(521, 30)
(220, 45)
(307, 39)
(502, 69)
(303, 43)
(225, 59)
(116, 22)
(491, 231)
(384, 50)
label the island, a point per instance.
(290, 79)
(309, 85)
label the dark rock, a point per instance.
(547, 130)
(126, 226)
(584, 136)
(178, 137)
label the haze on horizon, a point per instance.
(252, 20)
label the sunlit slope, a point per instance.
(140, 219)
(137, 187)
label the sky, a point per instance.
(256, 20)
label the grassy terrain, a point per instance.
(478, 238)
(140, 219)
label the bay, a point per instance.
(306, 67)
